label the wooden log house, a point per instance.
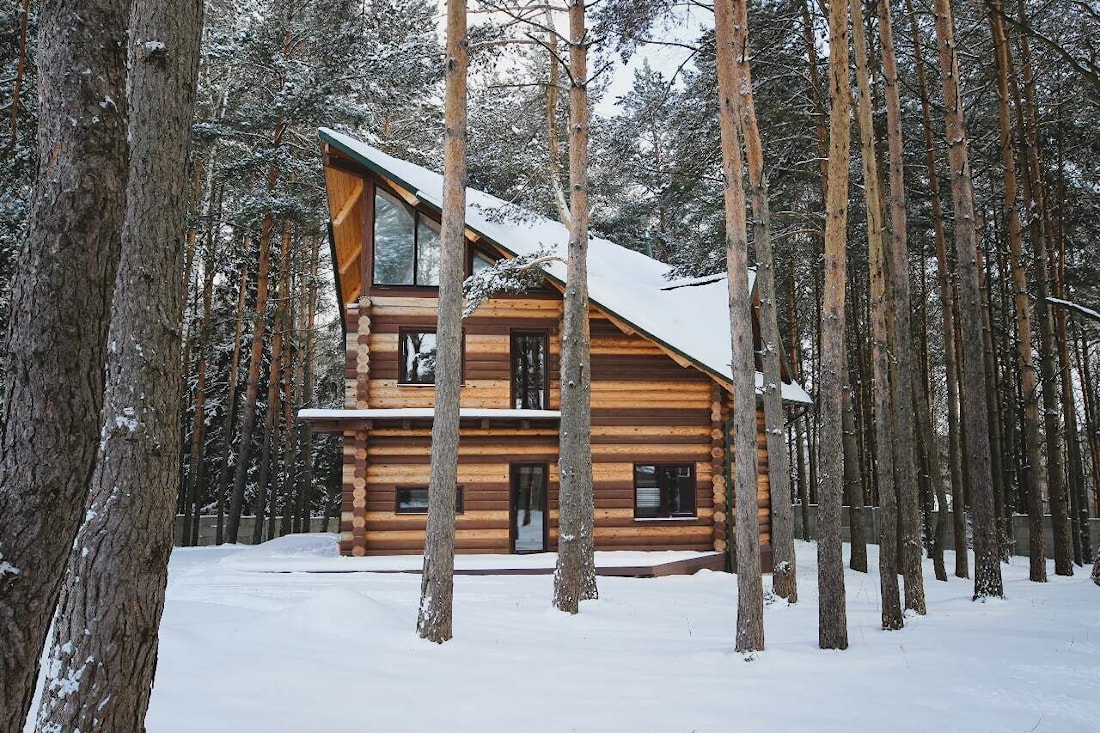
(661, 379)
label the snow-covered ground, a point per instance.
(243, 651)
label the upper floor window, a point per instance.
(406, 244)
(479, 261)
(417, 357)
(530, 371)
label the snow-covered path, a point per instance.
(247, 651)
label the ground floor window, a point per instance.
(664, 490)
(414, 500)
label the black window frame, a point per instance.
(459, 507)
(512, 336)
(401, 354)
(663, 512)
(416, 215)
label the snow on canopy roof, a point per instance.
(690, 317)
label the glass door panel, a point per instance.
(529, 504)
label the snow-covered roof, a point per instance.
(412, 413)
(691, 320)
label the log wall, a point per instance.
(646, 408)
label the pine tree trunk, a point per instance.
(101, 644)
(797, 422)
(277, 406)
(1079, 504)
(575, 575)
(198, 429)
(305, 432)
(731, 44)
(907, 385)
(886, 420)
(271, 428)
(291, 376)
(20, 74)
(57, 325)
(255, 359)
(947, 307)
(433, 621)
(1031, 477)
(784, 578)
(992, 387)
(832, 605)
(230, 408)
(853, 486)
(987, 568)
(1092, 429)
(1035, 195)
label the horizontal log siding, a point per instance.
(398, 458)
(646, 408)
(486, 353)
(636, 389)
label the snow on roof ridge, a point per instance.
(632, 287)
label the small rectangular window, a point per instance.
(416, 350)
(417, 357)
(414, 500)
(530, 371)
(664, 490)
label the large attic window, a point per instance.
(406, 244)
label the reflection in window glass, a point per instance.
(664, 491)
(479, 262)
(427, 251)
(529, 508)
(529, 371)
(415, 500)
(394, 249)
(417, 357)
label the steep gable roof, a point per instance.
(687, 317)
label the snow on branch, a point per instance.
(1087, 312)
(512, 276)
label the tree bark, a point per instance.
(887, 423)
(784, 578)
(105, 635)
(1031, 478)
(992, 388)
(1040, 229)
(987, 568)
(267, 480)
(947, 307)
(255, 359)
(304, 493)
(20, 74)
(575, 574)
(832, 605)
(731, 44)
(230, 408)
(198, 429)
(57, 326)
(853, 485)
(908, 388)
(433, 621)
